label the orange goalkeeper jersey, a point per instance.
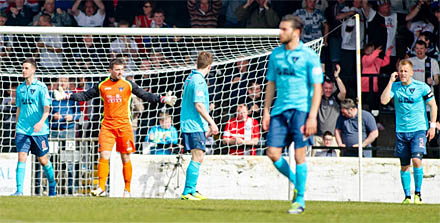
(117, 96)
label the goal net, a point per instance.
(158, 60)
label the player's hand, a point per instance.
(60, 94)
(266, 122)
(38, 126)
(213, 129)
(430, 134)
(169, 99)
(394, 76)
(310, 127)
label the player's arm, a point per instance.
(84, 95)
(39, 125)
(432, 126)
(270, 93)
(386, 94)
(200, 107)
(311, 122)
(168, 99)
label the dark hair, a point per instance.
(31, 61)
(45, 17)
(124, 22)
(426, 34)
(297, 22)
(348, 103)
(116, 61)
(327, 133)
(369, 45)
(420, 42)
(159, 11)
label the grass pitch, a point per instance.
(88, 209)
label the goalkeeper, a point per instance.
(116, 92)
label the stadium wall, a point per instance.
(254, 177)
(8, 165)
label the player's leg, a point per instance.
(195, 142)
(39, 147)
(277, 138)
(107, 139)
(418, 149)
(125, 145)
(297, 120)
(402, 151)
(23, 144)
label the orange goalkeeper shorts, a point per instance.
(122, 136)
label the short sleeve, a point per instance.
(370, 123)
(199, 90)
(255, 129)
(270, 76)
(314, 69)
(45, 97)
(427, 93)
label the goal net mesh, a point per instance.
(158, 61)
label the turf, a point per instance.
(87, 209)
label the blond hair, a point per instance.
(204, 59)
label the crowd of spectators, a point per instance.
(390, 30)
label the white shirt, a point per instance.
(118, 46)
(391, 24)
(419, 68)
(90, 21)
(349, 38)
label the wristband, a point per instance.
(432, 125)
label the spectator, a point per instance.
(432, 50)
(19, 14)
(257, 14)
(118, 10)
(320, 4)
(328, 140)
(159, 20)
(254, 101)
(50, 47)
(346, 131)
(334, 38)
(58, 17)
(164, 136)
(228, 12)
(329, 109)
(437, 15)
(425, 69)
(204, 13)
(125, 45)
(371, 64)
(348, 45)
(90, 17)
(315, 24)
(382, 29)
(64, 114)
(145, 19)
(242, 133)
(8, 113)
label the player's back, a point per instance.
(195, 90)
(117, 96)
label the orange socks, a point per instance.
(127, 171)
(103, 170)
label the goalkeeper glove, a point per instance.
(169, 99)
(60, 94)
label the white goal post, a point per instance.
(158, 60)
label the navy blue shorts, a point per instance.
(286, 127)
(194, 140)
(410, 145)
(38, 145)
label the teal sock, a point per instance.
(284, 168)
(301, 178)
(19, 175)
(192, 174)
(405, 177)
(48, 171)
(418, 178)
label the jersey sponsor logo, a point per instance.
(288, 71)
(114, 99)
(28, 101)
(406, 100)
(107, 88)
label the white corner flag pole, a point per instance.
(359, 96)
